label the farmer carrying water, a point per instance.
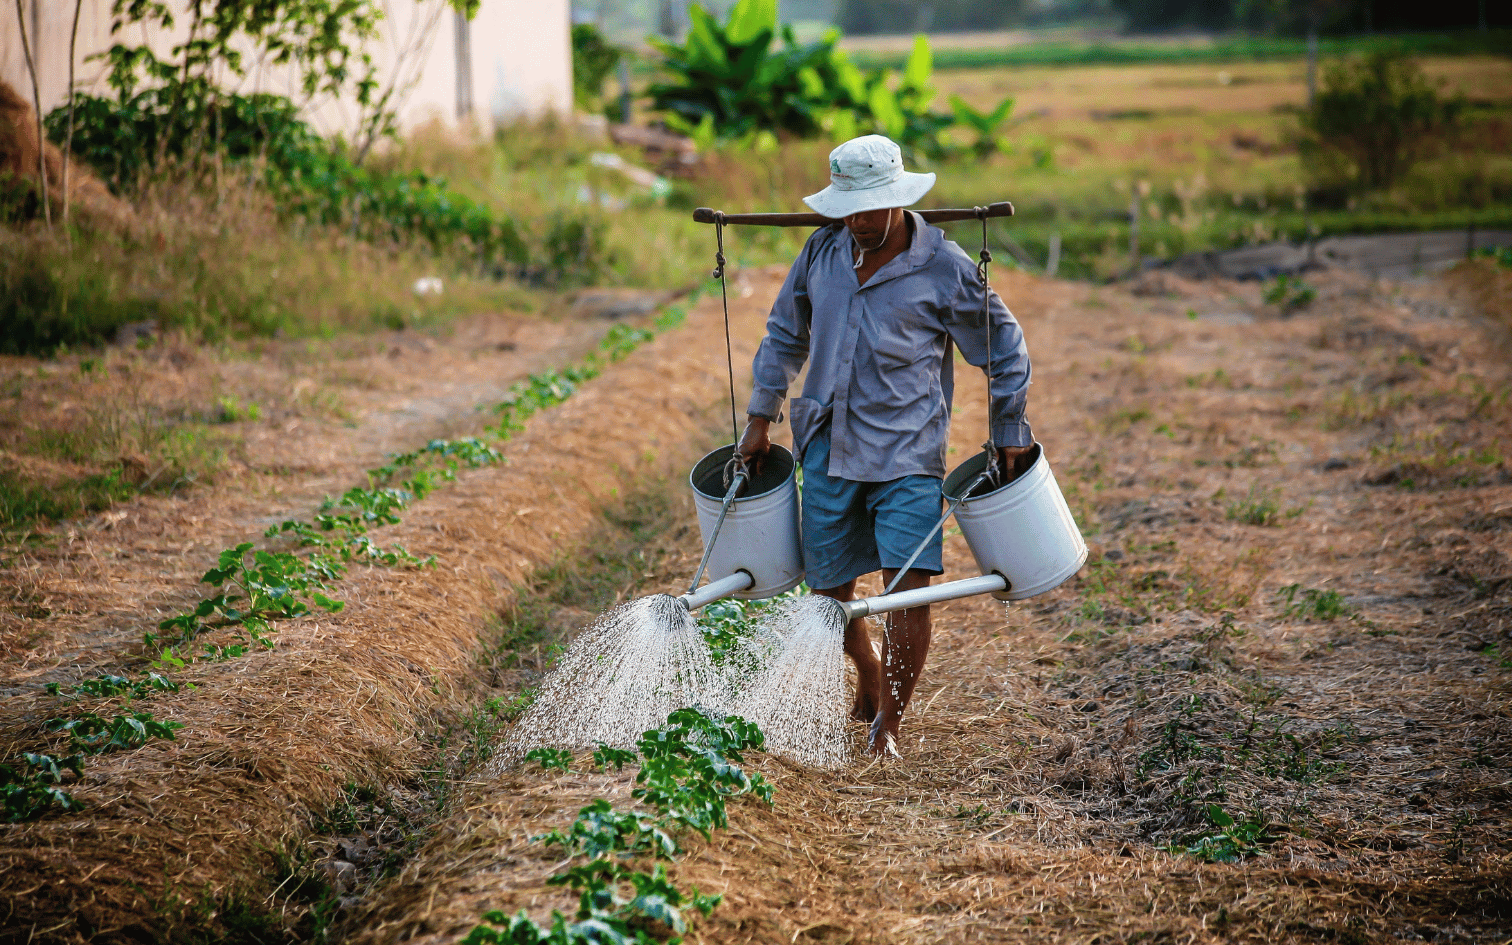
(875, 302)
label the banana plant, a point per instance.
(729, 82)
(985, 124)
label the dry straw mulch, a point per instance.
(1062, 753)
(177, 830)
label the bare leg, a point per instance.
(903, 654)
(858, 647)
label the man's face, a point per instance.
(871, 227)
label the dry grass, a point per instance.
(1057, 748)
(1257, 88)
(354, 699)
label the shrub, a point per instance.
(727, 81)
(593, 58)
(125, 137)
(1379, 114)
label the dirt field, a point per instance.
(1296, 612)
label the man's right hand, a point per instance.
(754, 443)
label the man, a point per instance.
(875, 305)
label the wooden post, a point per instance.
(1312, 60)
(463, 49)
(625, 103)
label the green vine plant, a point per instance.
(688, 771)
(550, 388)
(260, 586)
(257, 586)
(31, 785)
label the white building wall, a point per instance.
(521, 60)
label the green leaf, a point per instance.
(1219, 817)
(849, 78)
(749, 18)
(920, 65)
(885, 110)
(1000, 114)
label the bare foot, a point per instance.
(883, 746)
(882, 743)
(864, 710)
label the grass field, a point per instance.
(1072, 47)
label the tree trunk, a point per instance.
(31, 65)
(73, 43)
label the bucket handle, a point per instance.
(737, 482)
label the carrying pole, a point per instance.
(708, 215)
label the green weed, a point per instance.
(1235, 841)
(1261, 506)
(1314, 604)
(1235, 49)
(1290, 292)
(1281, 754)
(24, 501)
(1125, 419)
(230, 410)
(1501, 255)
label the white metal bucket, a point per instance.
(760, 533)
(1023, 531)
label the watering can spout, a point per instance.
(930, 594)
(717, 590)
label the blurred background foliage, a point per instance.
(727, 82)
(239, 220)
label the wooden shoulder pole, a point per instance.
(708, 215)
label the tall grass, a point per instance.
(216, 263)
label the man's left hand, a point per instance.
(1014, 461)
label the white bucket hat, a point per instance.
(867, 173)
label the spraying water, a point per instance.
(640, 661)
(799, 698)
(621, 677)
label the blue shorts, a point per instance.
(855, 528)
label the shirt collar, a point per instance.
(921, 247)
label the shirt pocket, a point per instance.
(808, 417)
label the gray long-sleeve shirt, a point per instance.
(881, 366)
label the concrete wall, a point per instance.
(521, 60)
